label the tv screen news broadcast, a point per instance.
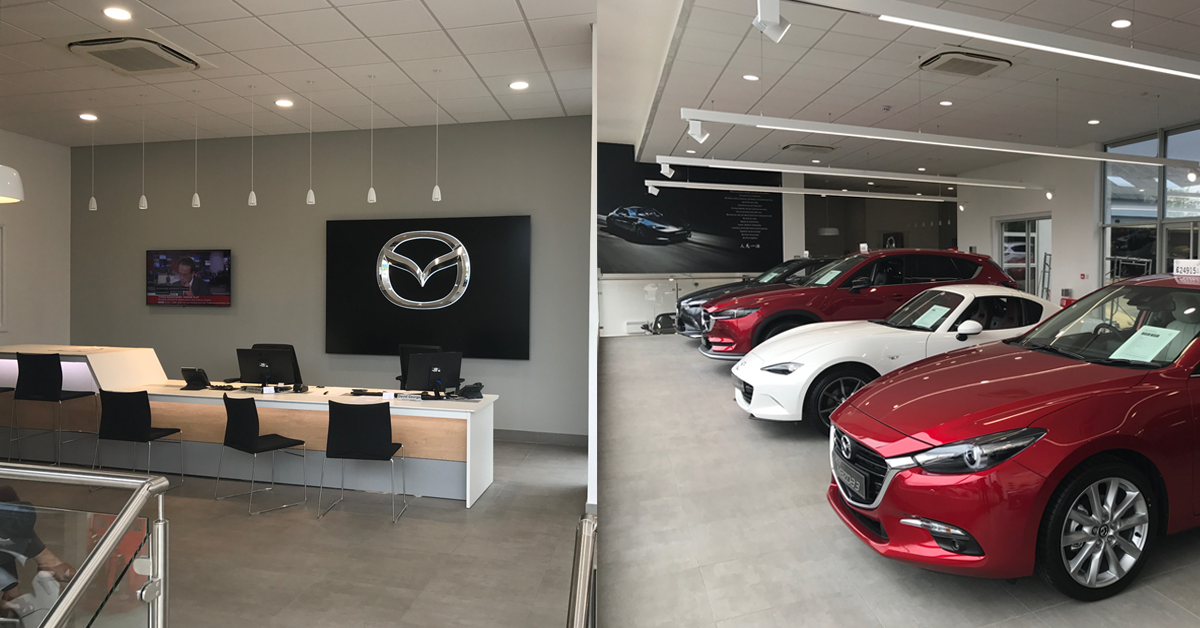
(196, 277)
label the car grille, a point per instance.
(707, 320)
(866, 461)
(747, 391)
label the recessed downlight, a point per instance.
(117, 13)
(1122, 23)
(691, 152)
(949, 187)
(518, 85)
(921, 169)
(946, 103)
(90, 117)
(750, 77)
(283, 102)
(816, 161)
(1093, 122)
(870, 183)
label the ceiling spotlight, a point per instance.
(870, 183)
(283, 102)
(518, 85)
(769, 21)
(750, 77)
(690, 151)
(1122, 23)
(1049, 195)
(918, 194)
(1093, 122)
(845, 190)
(696, 132)
(1191, 176)
(652, 190)
(666, 170)
(950, 187)
(90, 117)
(816, 161)
(946, 103)
(117, 13)
(961, 208)
(921, 169)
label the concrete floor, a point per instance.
(506, 562)
(710, 519)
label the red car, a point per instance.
(859, 287)
(1065, 452)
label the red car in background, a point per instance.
(1066, 452)
(859, 287)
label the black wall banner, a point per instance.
(459, 283)
(683, 231)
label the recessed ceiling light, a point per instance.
(750, 77)
(870, 183)
(1093, 122)
(921, 169)
(816, 161)
(518, 85)
(90, 117)
(1122, 23)
(691, 152)
(946, 103)
(117, 13)
(845, 190)
(283, 102)
(949, 187)
(918, 193)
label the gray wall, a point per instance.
(537, 167)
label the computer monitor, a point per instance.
(434, 372)
(291, 350)
(265, 366)
(407, 350)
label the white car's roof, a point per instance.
(990, 291)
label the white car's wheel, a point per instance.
(831, 389)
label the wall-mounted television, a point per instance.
(189, 277)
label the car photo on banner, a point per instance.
(1066, 452)
(807, 372)
(646, 225)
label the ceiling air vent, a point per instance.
(964, 62)
(134, 56)
(808, 149)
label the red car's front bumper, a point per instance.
(729, 338)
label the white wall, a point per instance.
(35, 267)
(1074, 211)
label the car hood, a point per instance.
(982, 390)
(664, 222)
(795, 343)
(707, 294)
(751, 297)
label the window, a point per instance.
(1131, 190)
(926, 311)
(1183, 196)
(889, 271)
(1001, 313)
(930, 268)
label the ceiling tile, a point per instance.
(259, 86)
(572, 79)
(540, 112)
(457, 106)
(336, 54)
(186, 40)
(47, 20)
(307, 81)
(10, 34)
(536, 100)
(393, 94)
(482, 117)
(282, 59)
(535, 9)
(196, 90)
(340, 98)
(8, 65)
(577, 101)
(462, 88)
(362, 116)
(192, 11)
(428, 45)
(142, 95)
(505, 63)
(307, 27)
(1064, 13)
(538, 82)
(43, 56)
(459, 13)
(42, 82)
(227, 65)
(391, 18)
(244, 34)
(364, 76)
(98, 77)
(493, 38)
(267, 7)
(93, 11)
(568, 57)
(563, 31)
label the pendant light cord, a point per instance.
(251, 138)
(372, 131)
(195, 149)
(437, 134)
(143, 150)
(310, 135)
(93, 160)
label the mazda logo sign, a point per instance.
(456, 257)
(843, 445)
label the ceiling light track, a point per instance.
(695, 117)
(668, 161)
(769, 189)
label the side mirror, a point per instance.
(969, 328)
(858, 284)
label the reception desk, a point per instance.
(448, 443)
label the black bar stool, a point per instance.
(125, 416)
(359, 431)
(39, 378)
(241, 433)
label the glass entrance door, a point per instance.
(1025, 254)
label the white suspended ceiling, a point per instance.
(326, 49)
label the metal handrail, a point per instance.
(582, 608)
(143, 487)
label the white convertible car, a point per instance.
(807, 372)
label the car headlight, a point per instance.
(783, 368)
(734, 313)
(977, 454)
(660, 227)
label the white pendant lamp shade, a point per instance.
(92, 204)
(195, 199)
(371, 195)
(142, 202)
(253, 200)
(11, 189)
(311, 199)
(437, 193)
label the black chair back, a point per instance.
(361, 431)
(39, 377)
(241, 423)
(125, 416)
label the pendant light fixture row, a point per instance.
(770, 189)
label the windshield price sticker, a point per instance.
(828, 277)
(1145, 344)
(931, 317)
(1187, 267)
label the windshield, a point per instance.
(772, 275)
(829, 273)
(1142, 326)
(649, 213)
(926, 311)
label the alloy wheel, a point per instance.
(836, 393)
(1105, 532)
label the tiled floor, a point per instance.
(506, 562)
(710, 519)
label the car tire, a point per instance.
(641, 234)
(1098, 545)
(837, 382)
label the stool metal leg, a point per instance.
(252, 489)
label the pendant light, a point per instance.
(11, 188)
(252, 200)
(311, 199)
(195, 154)
(92, 206)
(142, 204)
(371, 190)
(437, 112)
